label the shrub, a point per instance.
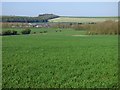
(41, 32)
(14, 32)
(26, 31)
(45, 31)
(107, 27)
(34, 32)
(8, 32)
(78, 27)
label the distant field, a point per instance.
(67, 59)
(81, 20)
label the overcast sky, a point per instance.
(60, 8)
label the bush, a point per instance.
(8, 32)
(41, 32)
(26, 31)
(78, 27)
(45, 31)
(14, 32)
(107, 27)
(34, 32)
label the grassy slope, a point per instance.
(59, 60)
(82, 19)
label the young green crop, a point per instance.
(60, 60)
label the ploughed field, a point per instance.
(66, 59)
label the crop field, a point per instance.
(82, 19)
(67, 59)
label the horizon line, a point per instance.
(59, 15)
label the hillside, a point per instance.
(83, 19)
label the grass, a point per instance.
(0, 61)
(49, 30)
(82, 19)
(60, 60)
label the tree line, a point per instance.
(25, 19)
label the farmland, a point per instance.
(66, 59)
(83, 19)
(52, 45)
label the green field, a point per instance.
(60, 60)
(50, 31)
(83, 19)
